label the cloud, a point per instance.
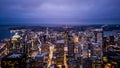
(76, 9)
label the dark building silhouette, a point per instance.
(14, 60)
(105, 43)
(111, 39)
(70, 47)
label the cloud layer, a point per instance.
(42, 10)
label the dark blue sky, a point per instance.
(59, 11)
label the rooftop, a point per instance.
(14, 55)
(60, 41)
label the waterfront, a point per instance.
(5, 32)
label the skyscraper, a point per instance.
(105, 43)
(111, 39)
(70, 46)
(59, 52)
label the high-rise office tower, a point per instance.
(105, 43)
(99, 39)
(98, 35)
(111, 40)
(70, 47)
(59, 52)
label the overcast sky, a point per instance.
(59, 11)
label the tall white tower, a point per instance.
(47, 32)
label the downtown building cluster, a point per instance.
(63, 47)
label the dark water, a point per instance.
(4, 32)
(107, 33)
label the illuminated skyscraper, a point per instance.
(59, 52)
(99, 39)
